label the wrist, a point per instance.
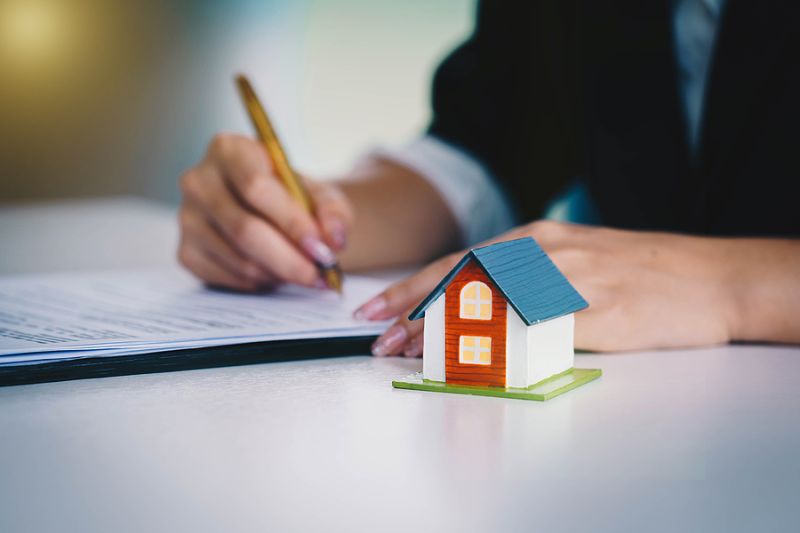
(714, 267)
(736, 309)
(733, 277)
(759, 277)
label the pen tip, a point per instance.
(333, 278)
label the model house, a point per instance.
(503, 317)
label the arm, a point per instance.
(645, 290)
(399, 218)
(472, 201)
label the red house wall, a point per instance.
(469, 374)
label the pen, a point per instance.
(332, 274)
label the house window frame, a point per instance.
(476, 350)
(480, 303)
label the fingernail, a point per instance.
(389, 341)
(320, 284)
(318, 250)
(370, 310)
(414, 348)
(337, 234)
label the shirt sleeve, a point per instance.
(476, 201)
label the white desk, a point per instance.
(122, 232)
(700, 440)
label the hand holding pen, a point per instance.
(245, 227)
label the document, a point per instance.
(69, 316)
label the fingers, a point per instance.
(399, 300)
(409, 292)
(406, 294)
(206, 268)
(396, 340)
(333, 212)
(196, 232)
(255, 219)
(270, 199)
(250, 235)
(405, 337)
(247, 171)
(414, 346)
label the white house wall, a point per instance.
(433, 341)
(550, 348)
(516, 350)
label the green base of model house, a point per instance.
(541, 391)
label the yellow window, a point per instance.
(469, 291)
(476, 301)
(475, 350)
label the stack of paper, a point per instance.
(70, 316)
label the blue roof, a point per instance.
(526, 276)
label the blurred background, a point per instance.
(107, 97)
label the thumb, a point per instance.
(334, 213)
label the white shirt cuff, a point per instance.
(476, 201)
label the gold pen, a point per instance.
(332, 274)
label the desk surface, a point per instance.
(696, 440)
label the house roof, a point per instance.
(526, 276)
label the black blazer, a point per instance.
(546, 90)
